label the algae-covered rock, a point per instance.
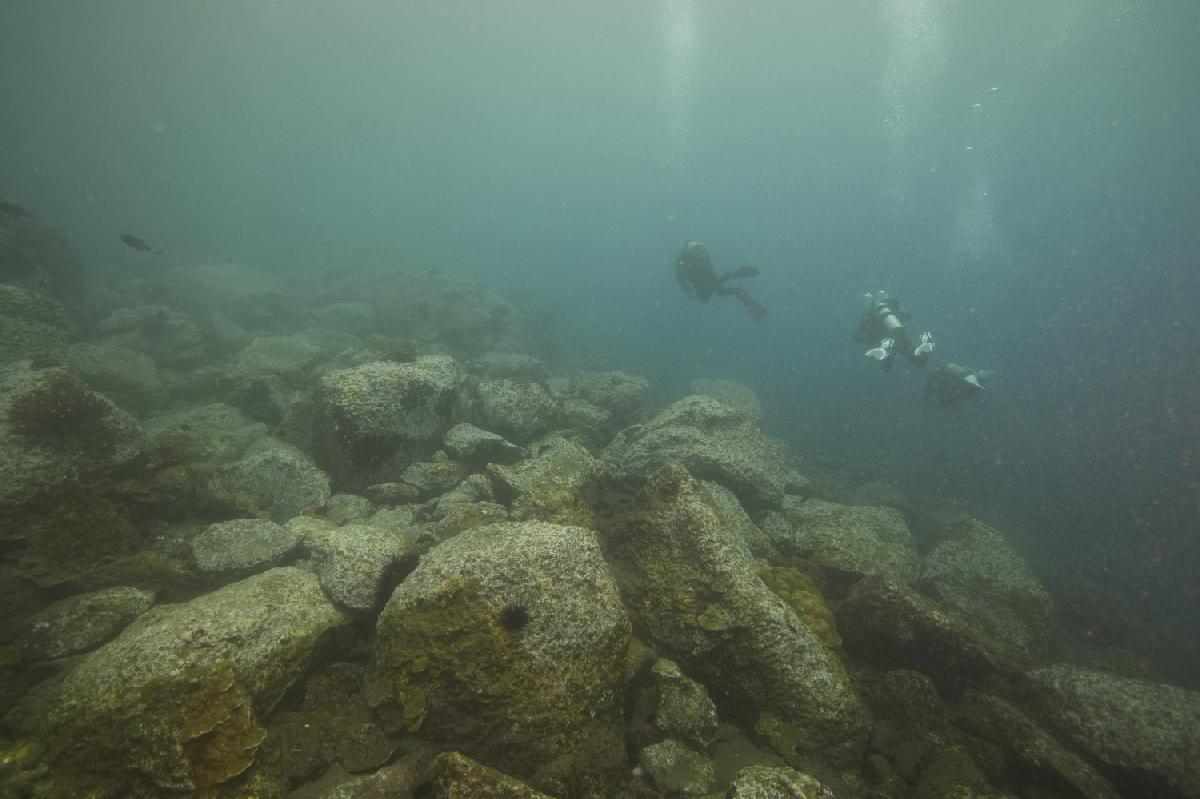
(693, 588)
(508, 642)
(890, 625)
(127, 377)
(174, 702)
(55, 436)
(775, 782)
(357, 562)
(675, 769)
(371, 415)
(32, 326)
(712, 441)
(520, 410)
(476, 447)
(211, 433)
(855, 539)
(38, 257)
(730, 392)
(672, 705)
(242, 545)
(81, 623)
(272, 481)
(621, 395)
(168, 336)
(1002, 724)
(1149, 730)
(346, 508)
(453, 775)
(552, 486)
(979, 580)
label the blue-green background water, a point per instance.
(564, 152)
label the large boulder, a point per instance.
(32, 326)
(712, 441)
(271, 481)
(888, 624)
(358, 562)
(518, 409)
(55, 433)
(382, 414)
(691, 582)
(82, 622)
(621, 395)
(169, 336)
(855, 539)
(38, 257)
(127, 377)
(508, 642)
(553, 485)
(475, 447)
(175, 702)
(242, 545)
(1151, 731)
(980, 581)
(732, 393)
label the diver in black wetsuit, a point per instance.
(695, 273)
(882, 324)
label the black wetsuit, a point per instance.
(696, 275)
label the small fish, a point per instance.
(138, 244)
(12, 209)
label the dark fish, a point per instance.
(138, 244)
(12, 209)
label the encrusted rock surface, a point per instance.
(242, 545)
(713, 441)
(508, 642)
(856, 539)
(175, 702)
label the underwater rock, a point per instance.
(453, 775)
(672, 705)
(127, 377)
(1149, 730)
(430, 478)
(271, 481)
(472, 489)
(291, 358)
(353, 317)
(712, 441)
(850, 538)
(251, 296)
(953, 773)
(775, 782)
(590, 424)
(358, 563)
(517, 409)
(621, 395)
(1037, 752)
(32, 326)
(508, 364)
(676, 770)
(346, 508)
(242, 546)
(205, 434)
(979, 580)
(168, 336)
(508, 642)
(730, 392)
(552, 486)
(890, 625)
(458, 517)
(56, 434)
(390, 493)
(691, 582)
(81, 623)
(369, 416)
(737, 519)
(172, 704)
(476, 448)
(38, 257)
(880, 492)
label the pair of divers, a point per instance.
(882, 326)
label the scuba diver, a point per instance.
(951, 385)
(695, 273)
(883, 324)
